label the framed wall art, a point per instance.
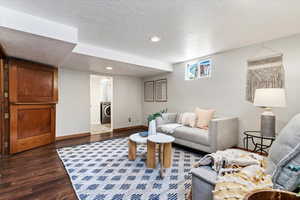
(161, 90)
(266, 72)
(198, 70)
(149, 91)
(204, 68)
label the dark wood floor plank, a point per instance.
(38, 174)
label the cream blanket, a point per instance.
(169, 128)
(239, 172)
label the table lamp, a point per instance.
(269, 98)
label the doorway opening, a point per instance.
(101, 90)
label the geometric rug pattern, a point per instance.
(102, 171)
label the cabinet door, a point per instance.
(31, 126)
(1, 128)
(1, 80)
(1, 105)
(32, 82)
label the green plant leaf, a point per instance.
(154, 116)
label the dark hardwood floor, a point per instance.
(39, 174)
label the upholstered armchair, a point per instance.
(284, 155)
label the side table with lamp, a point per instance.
(266, 98)
(269, 98)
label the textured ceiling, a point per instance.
(188, 28)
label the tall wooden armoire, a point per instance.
(33, 95)
(2, 62)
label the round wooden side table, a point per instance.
(164, 143)
(134, 139)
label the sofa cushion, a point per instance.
(287, 173)
(195, 135)
(285, 152)
(286, 141)
(203, 117)
(169, 117)
(179, 118)
(188, 119)
(166, 118)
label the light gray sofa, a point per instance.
(222, 133)
(284, 157)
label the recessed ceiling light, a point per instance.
(108, 68)
(155, 39)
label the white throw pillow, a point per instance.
(188, 119)
(179, 118)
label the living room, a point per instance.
(201, 93)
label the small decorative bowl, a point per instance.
(144, 134)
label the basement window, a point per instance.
(197, 70)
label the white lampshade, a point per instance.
(270, 97)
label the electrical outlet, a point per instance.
(129, 119)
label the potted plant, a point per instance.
(152, 121)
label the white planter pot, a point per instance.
(152, 127)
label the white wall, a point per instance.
(127, 101)
(225, 90)
(101, 91)
(73, 108)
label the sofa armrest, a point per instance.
(203, 182)
(166, 118)
(205, 173)
(223, 133)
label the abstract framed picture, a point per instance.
(161, 90)
(198, 70)
(191, 72)
(204, 68)
(149, 91)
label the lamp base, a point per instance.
(267, 125)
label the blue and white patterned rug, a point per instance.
(102, 171)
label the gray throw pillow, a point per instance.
(169, 117)
(284, 152)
